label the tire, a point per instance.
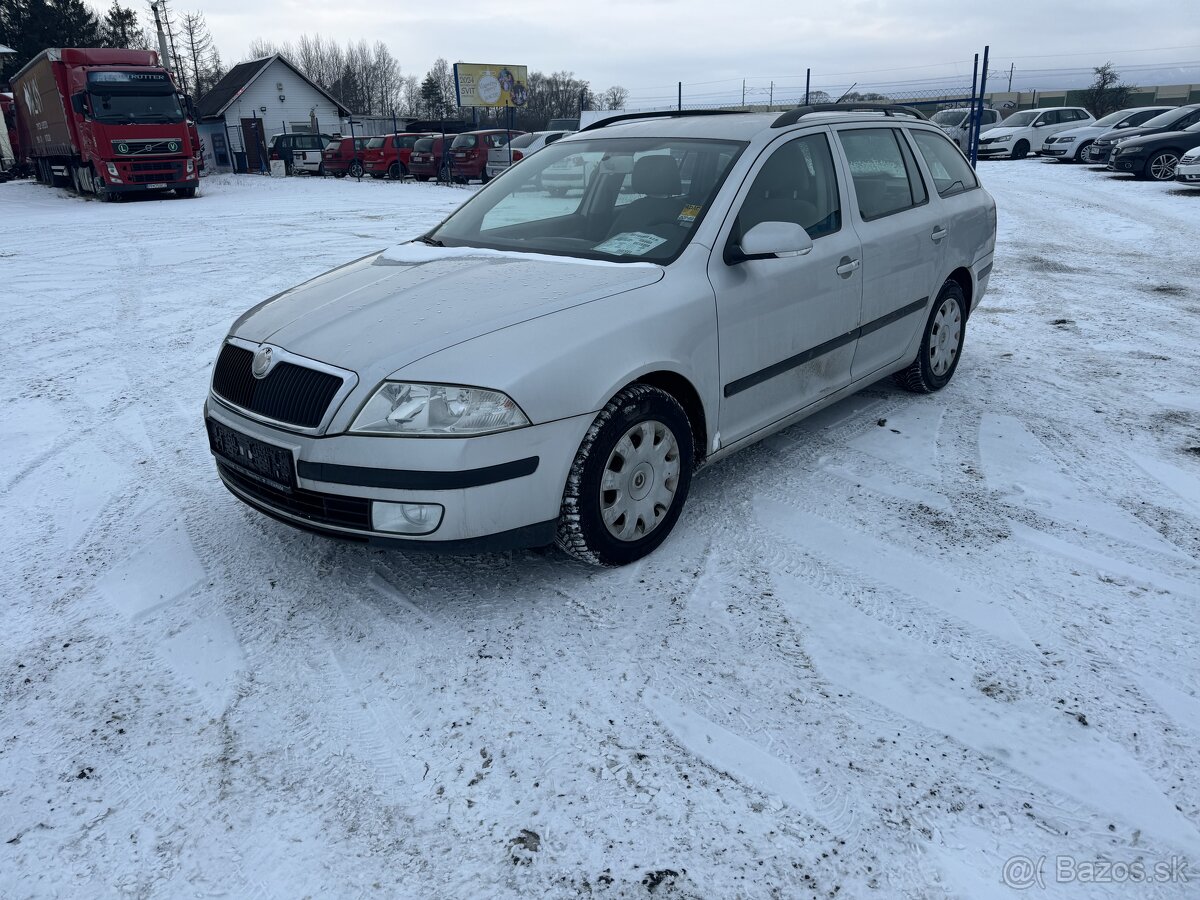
(1161, 166)
(355, 170)
(396, 171)
(484, 177)
(1082, 153)
(444, 174)
(321, 170)
(1021, 150)
(289, 169)
(339, 174)
(640, 444)
(186, 192)
(941, 343)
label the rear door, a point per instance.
(786, 325)
(900, 229)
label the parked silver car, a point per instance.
(542, 369)
(957, 123)
(1075, 144)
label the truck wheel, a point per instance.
(629, 480)
(187, 192)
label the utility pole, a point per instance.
(743, 92)
(807, 82)
(771, 102)
(979, 106)
(1010, 75)
(164, 56)
(681, 96)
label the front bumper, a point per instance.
(1004, 149)
(497, 491)
(156, 186)
(1128, 163)
(1099, 155)
(1188, 174)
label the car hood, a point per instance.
(1001, 130)
(390, 309)
(1187, 139)
(1124, 134)
(1082, 131)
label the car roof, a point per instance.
(735, 126)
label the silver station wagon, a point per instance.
(541, 369)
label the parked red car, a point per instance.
(344, 156)
(429, 156)
(470, 152)
(389, 154)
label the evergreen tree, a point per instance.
(120, 28)
(31, 26)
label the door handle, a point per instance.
(847, 266)
(939, 233)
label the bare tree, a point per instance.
(614, 98)
(1107, 93)
(198, 52)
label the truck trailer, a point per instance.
(106, 122)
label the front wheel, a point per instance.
(629, 480)
(1021, 150)
(1082, 154)
(1161, 166)
(187, 192)
(941, 344)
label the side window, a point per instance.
(886, 179)
(1187, 121)
(951, 173)
(992, 116)
(798, 183)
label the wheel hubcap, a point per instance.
(638, 486)
(945, 337)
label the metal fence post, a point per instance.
(979, 109)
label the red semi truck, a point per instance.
(107, 122)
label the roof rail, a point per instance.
(792, 116)
(660, 114)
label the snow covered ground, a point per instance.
(884, 653)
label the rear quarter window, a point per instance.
(952, 174)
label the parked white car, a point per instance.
(537, 370)
(1074, 144)
(1025, 132)
(521, 147)
(957, 123)
(1188, 170)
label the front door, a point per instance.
(254, 143)
(786, 326)
(901, 234)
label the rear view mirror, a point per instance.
(79, 104)
(775, 239)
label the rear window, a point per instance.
(404, 142)
(522, 141)
(464, 142)
(375, 143)
(423, 145)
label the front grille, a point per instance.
(321, 509)
(158, 170)
(290, 393)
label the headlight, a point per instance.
(1002, 138)
(1066, 140)
(421, 410)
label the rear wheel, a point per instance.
(339, 174)
(941, 344)
(629, 480)
(1021, 150)
(356, 169)
(1161, 166)
(397, 171)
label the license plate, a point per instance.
(156, 185)
(254, 458)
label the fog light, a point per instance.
(112, 170)
(191, 166)
(406, 518)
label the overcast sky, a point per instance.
(710, 45)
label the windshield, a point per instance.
(375, 143)
(125, 108)
(1162, 119)
(951, 118)
(463, 141)
(1112, 119)
(1016, 120)
(620, 199)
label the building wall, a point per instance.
(1154, 95)
(300, 98)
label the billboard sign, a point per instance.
(491, 85)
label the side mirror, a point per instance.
(775, 239)
(79, 104)
(1038, 124)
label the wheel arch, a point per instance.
(962, 277)
(685, 393)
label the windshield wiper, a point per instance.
(432, 242)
